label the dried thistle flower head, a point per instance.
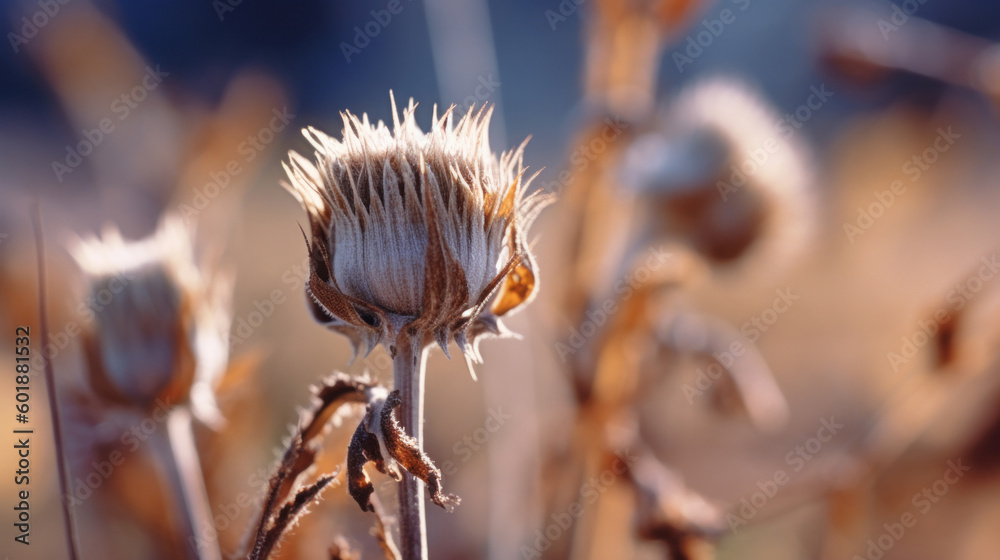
(725, 174)
(160, 323)
(414, 234)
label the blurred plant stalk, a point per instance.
(865, 52)
(623, 45)
(179, 461)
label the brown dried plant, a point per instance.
(419, 238)
(662, 175)
(415, 238)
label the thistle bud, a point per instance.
(724, 174)
(416, 232)
(159, 323)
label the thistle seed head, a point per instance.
(415, 233)
(160, 323)
(725, 174)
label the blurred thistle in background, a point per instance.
(769, 321)
(160, 325)
(157, 345)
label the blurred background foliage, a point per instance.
(229, 72)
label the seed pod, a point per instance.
(416, 231)
(160, 324)
(724, 174)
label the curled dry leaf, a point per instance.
(363, 448)
(404, 449)
(381, 440)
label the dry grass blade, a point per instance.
(301, 452)
(291, 512)
(72, 543)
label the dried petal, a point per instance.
(517, 288)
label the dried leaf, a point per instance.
(405, 450)
(290, 514)
(300, 454)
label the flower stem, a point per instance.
(409, 365)
(181, 466)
